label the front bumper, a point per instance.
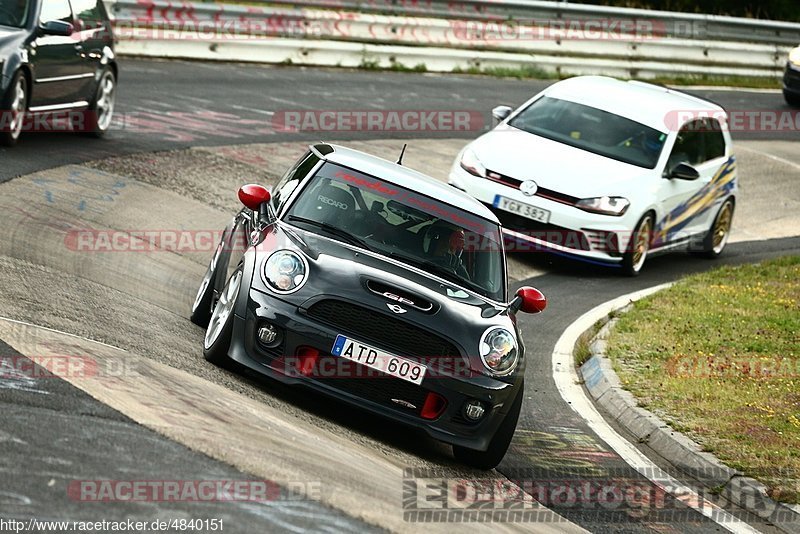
(571, 232)
(791, 80)
(368, 392)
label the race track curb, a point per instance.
(605, 389)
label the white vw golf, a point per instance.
(606, 171)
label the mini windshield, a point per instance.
(593, 130)
(13, 13)
(407, 226)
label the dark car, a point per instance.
(379, 286)
(791, 78)
(57, 62)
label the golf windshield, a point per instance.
(405, 225)
(593, 130)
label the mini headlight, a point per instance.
(616, 206)
(471, 163)
(794, 56)
(498, 349)
(285, 271)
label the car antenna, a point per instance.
(402, 153)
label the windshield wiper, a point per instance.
(333, 230)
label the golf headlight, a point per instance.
(471, 163)
(616, 206)
(794, 56)
(499, 352)
(285, 271)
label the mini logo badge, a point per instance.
(528, 188)
(395, 308)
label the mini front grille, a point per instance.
(374, 386)
(390, 333)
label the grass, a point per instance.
(718, 357)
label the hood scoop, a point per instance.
(403, 297)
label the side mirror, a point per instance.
(500, 113)
(57, 27)
(529, 300)
(684, 171)
(254, 196)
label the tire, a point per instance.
(204, 301)
(633, 260)
(217, 340)
(791, 99)
(717, 237)
(15, 103)
(101, 110)
(492, 456)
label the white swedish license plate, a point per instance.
(522, 209)
(385, 362)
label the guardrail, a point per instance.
(628, 46)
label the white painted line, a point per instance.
(568, 384)
(76, 336)
(769, 156)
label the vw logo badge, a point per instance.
(528, 188)
(395, 308)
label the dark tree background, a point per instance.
(762, 9)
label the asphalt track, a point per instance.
(139, 303)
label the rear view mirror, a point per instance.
(684, 171)
(253, 196)
(500, 113)
(529, 300)
(57, 27)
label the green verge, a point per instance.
(717, 356)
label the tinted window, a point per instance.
(87, 11)
(593, 130)
(408, 226)
(715, 142)
(688, 145)
(56, 10)
(293, 176)
(14, 13)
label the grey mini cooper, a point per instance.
(375, 284)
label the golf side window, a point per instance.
(56, 10)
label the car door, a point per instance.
(93, 34)
(59, 70)
(681, 200)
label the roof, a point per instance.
(648, 104)
(406, 177)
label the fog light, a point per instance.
(269, 335)
(474, 410)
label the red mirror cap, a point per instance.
(533, 301)
(253, 195)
